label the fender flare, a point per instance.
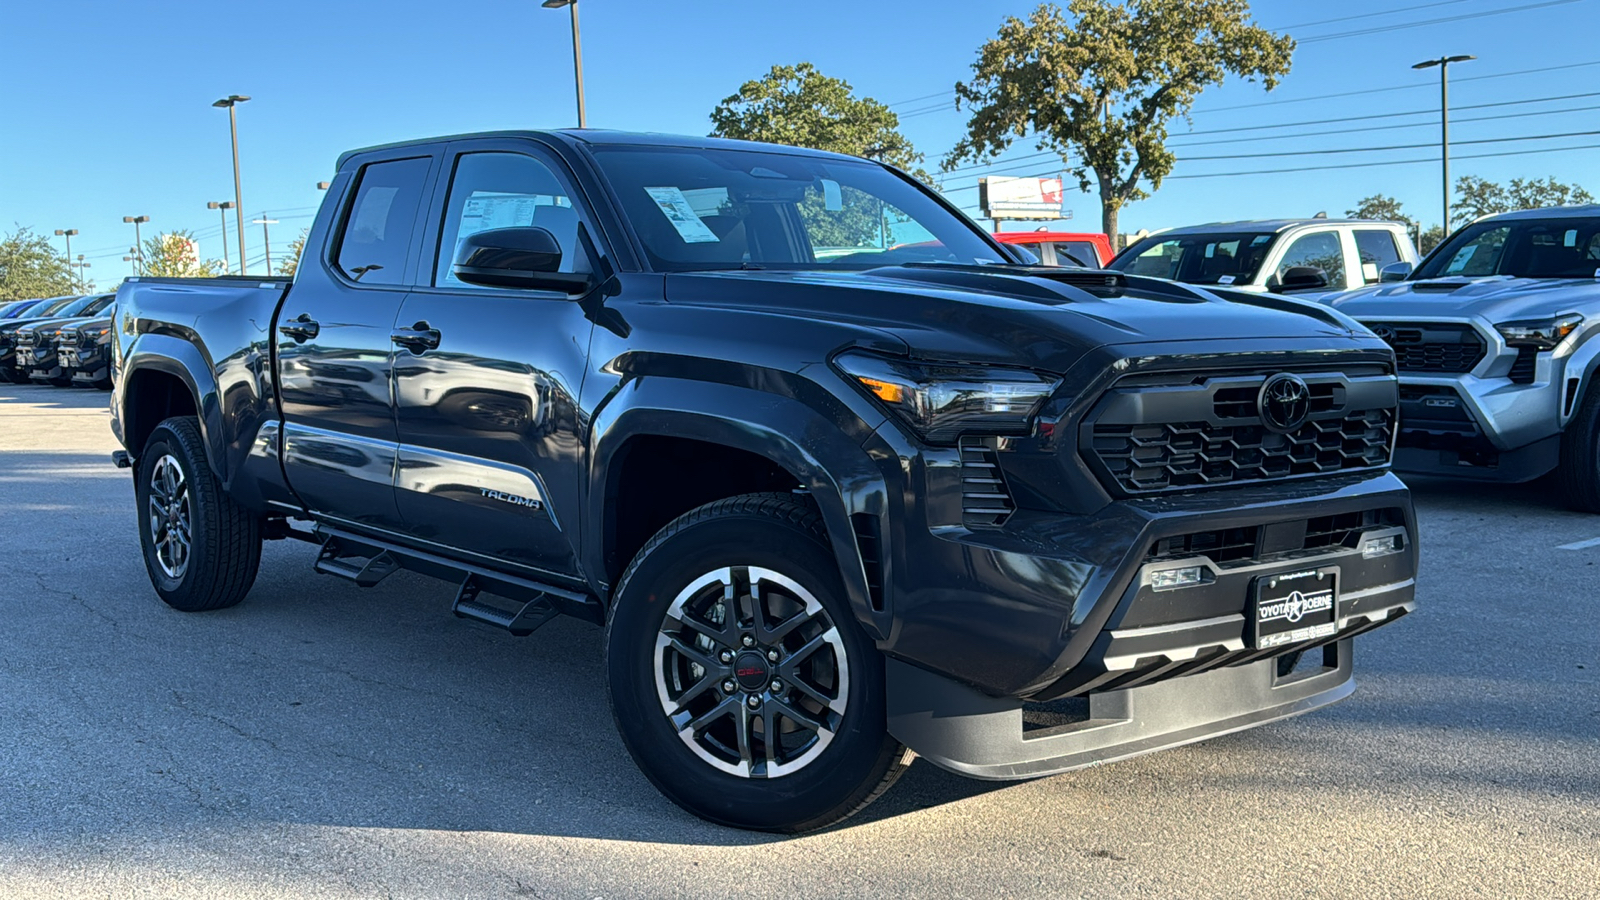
(169, 355)
(1582, 365)
(831, 465)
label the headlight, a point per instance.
(941, 401)
(1542, 333)
(100, 336)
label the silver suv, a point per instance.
(1494, 334)
(1306, 258)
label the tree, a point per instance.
(1429, 239)
(800, 106)
(1379, 207)
(291, 262)
(1477, 197)
(175, 254)
(30, 267)
(1102, 82)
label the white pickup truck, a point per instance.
(1308, 258)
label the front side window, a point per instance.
(1525, 248)
(703, 209)
(1377, 249)
(1232, 258)
(377, 234)
(505, 190)
(1077, 253)
(1319, 250)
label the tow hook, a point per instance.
(122, 459)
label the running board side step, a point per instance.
(527, 604)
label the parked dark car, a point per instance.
(84, 353)
(41, 310)
(16, 308)
(834, 490)
(34, 341)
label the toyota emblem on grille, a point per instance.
(1284, 402)
(1384, 332)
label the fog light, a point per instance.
(1382, 546)
(1167, 579)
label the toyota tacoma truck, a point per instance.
(910, 497)
(1495, 338)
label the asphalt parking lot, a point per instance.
(324, 741)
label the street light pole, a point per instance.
(266, 240)
(1443, 63)
(68, 233)
(82, 280)
(138, 241)
(577, 51)
(229, 102)
(224, 206)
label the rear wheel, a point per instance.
(1579, 471)
(201, 548)
(739, 680)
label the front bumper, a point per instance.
(1489, 429)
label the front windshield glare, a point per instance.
(700, 209)
(1197, 258)
(1519, 248)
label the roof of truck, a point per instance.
(1272, 225)
(602, 137)
(1586, 211)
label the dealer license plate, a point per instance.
(1295, 608)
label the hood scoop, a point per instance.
(1438, 287)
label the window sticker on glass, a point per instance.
(1463, 256)
(832, 197)
(1224, 279)
(486, 210)
(1260, 239)
(676, 208)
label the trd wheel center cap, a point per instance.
(752, 671)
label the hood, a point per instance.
(41, 324)
(1030, 316)
(1495, 298)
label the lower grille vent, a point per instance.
(985, 499)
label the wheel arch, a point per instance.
(757, 441)
(169, 379)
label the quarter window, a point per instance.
(505, 190)
(1320, 250)
(377, 236)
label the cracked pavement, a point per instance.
(321, 740)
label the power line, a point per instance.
(1400, 87)
(1317, 39)
(1504, 140)
(1392, 115)
(1306, 134)
(1434, 160)
(1382, 12)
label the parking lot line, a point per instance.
(1580, 545)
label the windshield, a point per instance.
(1230, 258)
(99, 305)
(1520, 248)
(52, 307)
(699, 209)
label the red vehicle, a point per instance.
(1062, 248)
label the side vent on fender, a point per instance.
(985, 499)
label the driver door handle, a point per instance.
(419, 338)
(300, 328)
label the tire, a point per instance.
(1579, 469)
(817, 777)
(176, 490)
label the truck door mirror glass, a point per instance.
(526, 257)
(1395, 272)
(1302, 278)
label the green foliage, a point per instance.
(801, 107)
(1379, 207)
(1100, 84)
(1429, 239)
(173, 254)
(1477, 197)
(291, 262)
(30, 267)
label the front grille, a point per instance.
(1432, 346)
(1159, 457)
(985, 499)
(1250, 544)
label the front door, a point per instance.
(335, 350)
(491, 457)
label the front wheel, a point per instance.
(1579, 471)
(201, 548)
(739, 680)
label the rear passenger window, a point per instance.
(377, 234)
(1377, 249)
(1077, 253)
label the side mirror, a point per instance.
(1302, 278)
(1399, 271)
(525, 257)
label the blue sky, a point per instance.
(107, 110)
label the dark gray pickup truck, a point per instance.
(841, 477)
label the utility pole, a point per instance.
(577, 51)
(138, 241)
(1443, 63)
(266, 239)
(68, 233)
(82, 280)
(224, 205)
(229, 103)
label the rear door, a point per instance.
(334, 343)
(491, 454)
